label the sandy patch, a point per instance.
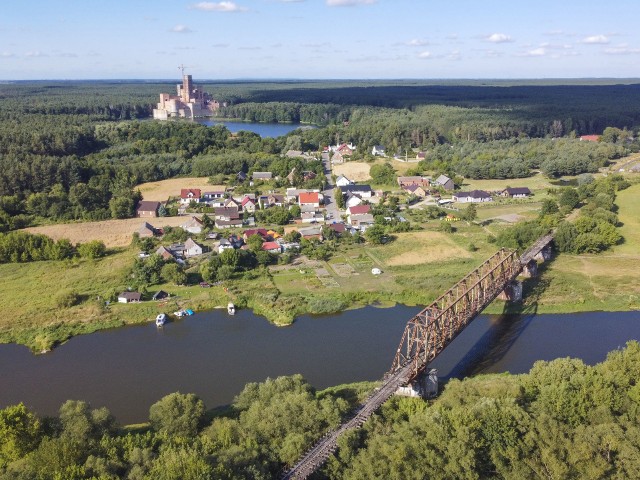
(114, 233)
(356, 171)
(162, 190)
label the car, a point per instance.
(205, 285)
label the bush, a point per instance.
(92, 249)
(67, 298)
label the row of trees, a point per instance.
(563, 419)
(20, 247)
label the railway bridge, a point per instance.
(429, 332)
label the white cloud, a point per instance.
(35, 53)
(498, 38)
(596, 40)
(7, 54)
(218, 7)
(622, 49)
(416, 42)
(536, 52)
(181, 29)
(349, 3)
(425, 54)
(454, 55)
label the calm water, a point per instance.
(214, 355)
(262, 129)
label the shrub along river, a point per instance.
(214, 355)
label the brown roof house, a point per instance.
(146, 230)
(147, 209)
(129, 297)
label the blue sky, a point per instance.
(91, 39)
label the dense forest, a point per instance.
(76, 150)
(563, 419)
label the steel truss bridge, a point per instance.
(426, 335)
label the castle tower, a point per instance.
(187, 87)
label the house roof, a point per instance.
(148, 206)
(147, 226)
(246, 200)
(160, 294)
(473, 194)
(256, 231)
(164, 252)
(411, 188)
(192, 222)
(380, 148)
(190, 244)
(190, 193)
(270, 246)
(233, 222)
(241, 175)
(442, 179)
(590, 138)
(262, 175)
(518, 191)
(359, 209)
(363, 218)
(355, 188)
(309, 197)
(310, 231)
(226, 212)
(337, 227)
(135, 296)
(214, 192)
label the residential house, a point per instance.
(226, 213)
(339, 228)
(516, 192)
(146, 230)
(309, 198)
(413, 180)
(294, 154)
(164, 253)
(444, 182)
(474, 196)
(287, 246)
(188, 195)
(359, 210)
(262, 176)
(362, 221)
(271, 247)
(271, 200)
(213, 195)
(241, 176)
(248, 205)
(416, 190)
(193, 225)
(311, 217)
(191, 248)
(421, 155)
(233, 223)
(363, 191)
(311, 232)
(256, 231)
(223, 245)
(235, 241)
(345, 149)
(129, 297)
(378, 150)
(342, 181)
(232, 203)
(352, 200)
(147, 209)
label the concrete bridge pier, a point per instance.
(530, 270)
(544, 254)
(424, 386)
(512, 292)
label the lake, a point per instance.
(263, 129)
(214, 355)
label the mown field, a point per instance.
(160, 191)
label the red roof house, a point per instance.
(309, 198)
(188, 195)
(590, 138)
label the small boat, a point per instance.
(180, 313)
(188, 311)
(231, 309)
(161, 319)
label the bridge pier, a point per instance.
(530, 270)
(424, 386)
(544, 254)
(512, 292)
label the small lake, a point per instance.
(271, 130)
(214, 355)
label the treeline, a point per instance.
(563, 419)
(20, 247)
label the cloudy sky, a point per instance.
(259, 39)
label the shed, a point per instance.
(159, 295)
(129, 297)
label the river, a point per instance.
(214, 355)
(263, 129)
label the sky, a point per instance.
(318, 39)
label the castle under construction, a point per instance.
(189, 102)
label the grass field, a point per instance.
(114, 233)
(535, 182)
(609, 281)
(162, 190)
(355, 171)
(416, 248)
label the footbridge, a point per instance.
(428, 333)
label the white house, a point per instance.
(474, 196)
(363, 191)
(188, 195)
(193, 225)
(343, 181)
(352, 200)
(378, 150)
(191, 248)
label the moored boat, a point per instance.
(161, 319)
(231, 309)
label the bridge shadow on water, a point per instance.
(504, 331)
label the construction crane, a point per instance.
(181, 67)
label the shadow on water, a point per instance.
(504, 331)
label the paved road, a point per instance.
(333, 214)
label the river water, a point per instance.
(214, 355)
(271, 130)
